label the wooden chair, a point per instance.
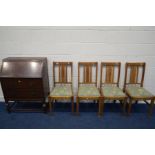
(62, 83)
(87, 83)
(133, 85)
(109, 84)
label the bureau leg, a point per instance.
(7, 106)
(44, 106)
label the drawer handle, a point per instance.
(19, 81)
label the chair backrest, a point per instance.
(62, 73)
(87, 73)
(110, 73)
(134, 73)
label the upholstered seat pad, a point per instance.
(61, 91)
(88, 91)
(112, 91)
(136, 91)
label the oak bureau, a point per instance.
(24, 79)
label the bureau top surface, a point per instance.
(22, 67)
(24, 59)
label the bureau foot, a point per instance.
(8, 109)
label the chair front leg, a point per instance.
(101, 106)
(50, 104)
(151, 107)
(72, 100)
(77, 105)
(136, 102)
(124, 106)
(129, 106)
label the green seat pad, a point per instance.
(112, 91)
(136, 91)
(61, 91)
(88, 91)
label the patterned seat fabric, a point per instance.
(88, 91)
(62, 90)
(112, 91)
(136, 91)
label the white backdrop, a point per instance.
(75, 44)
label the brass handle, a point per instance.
(19, 81)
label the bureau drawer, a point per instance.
(29, 94)
(24, 94)
(22, 83)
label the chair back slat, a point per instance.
(110, 73)
(134, 73)
(62, 72)
(87, 72)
